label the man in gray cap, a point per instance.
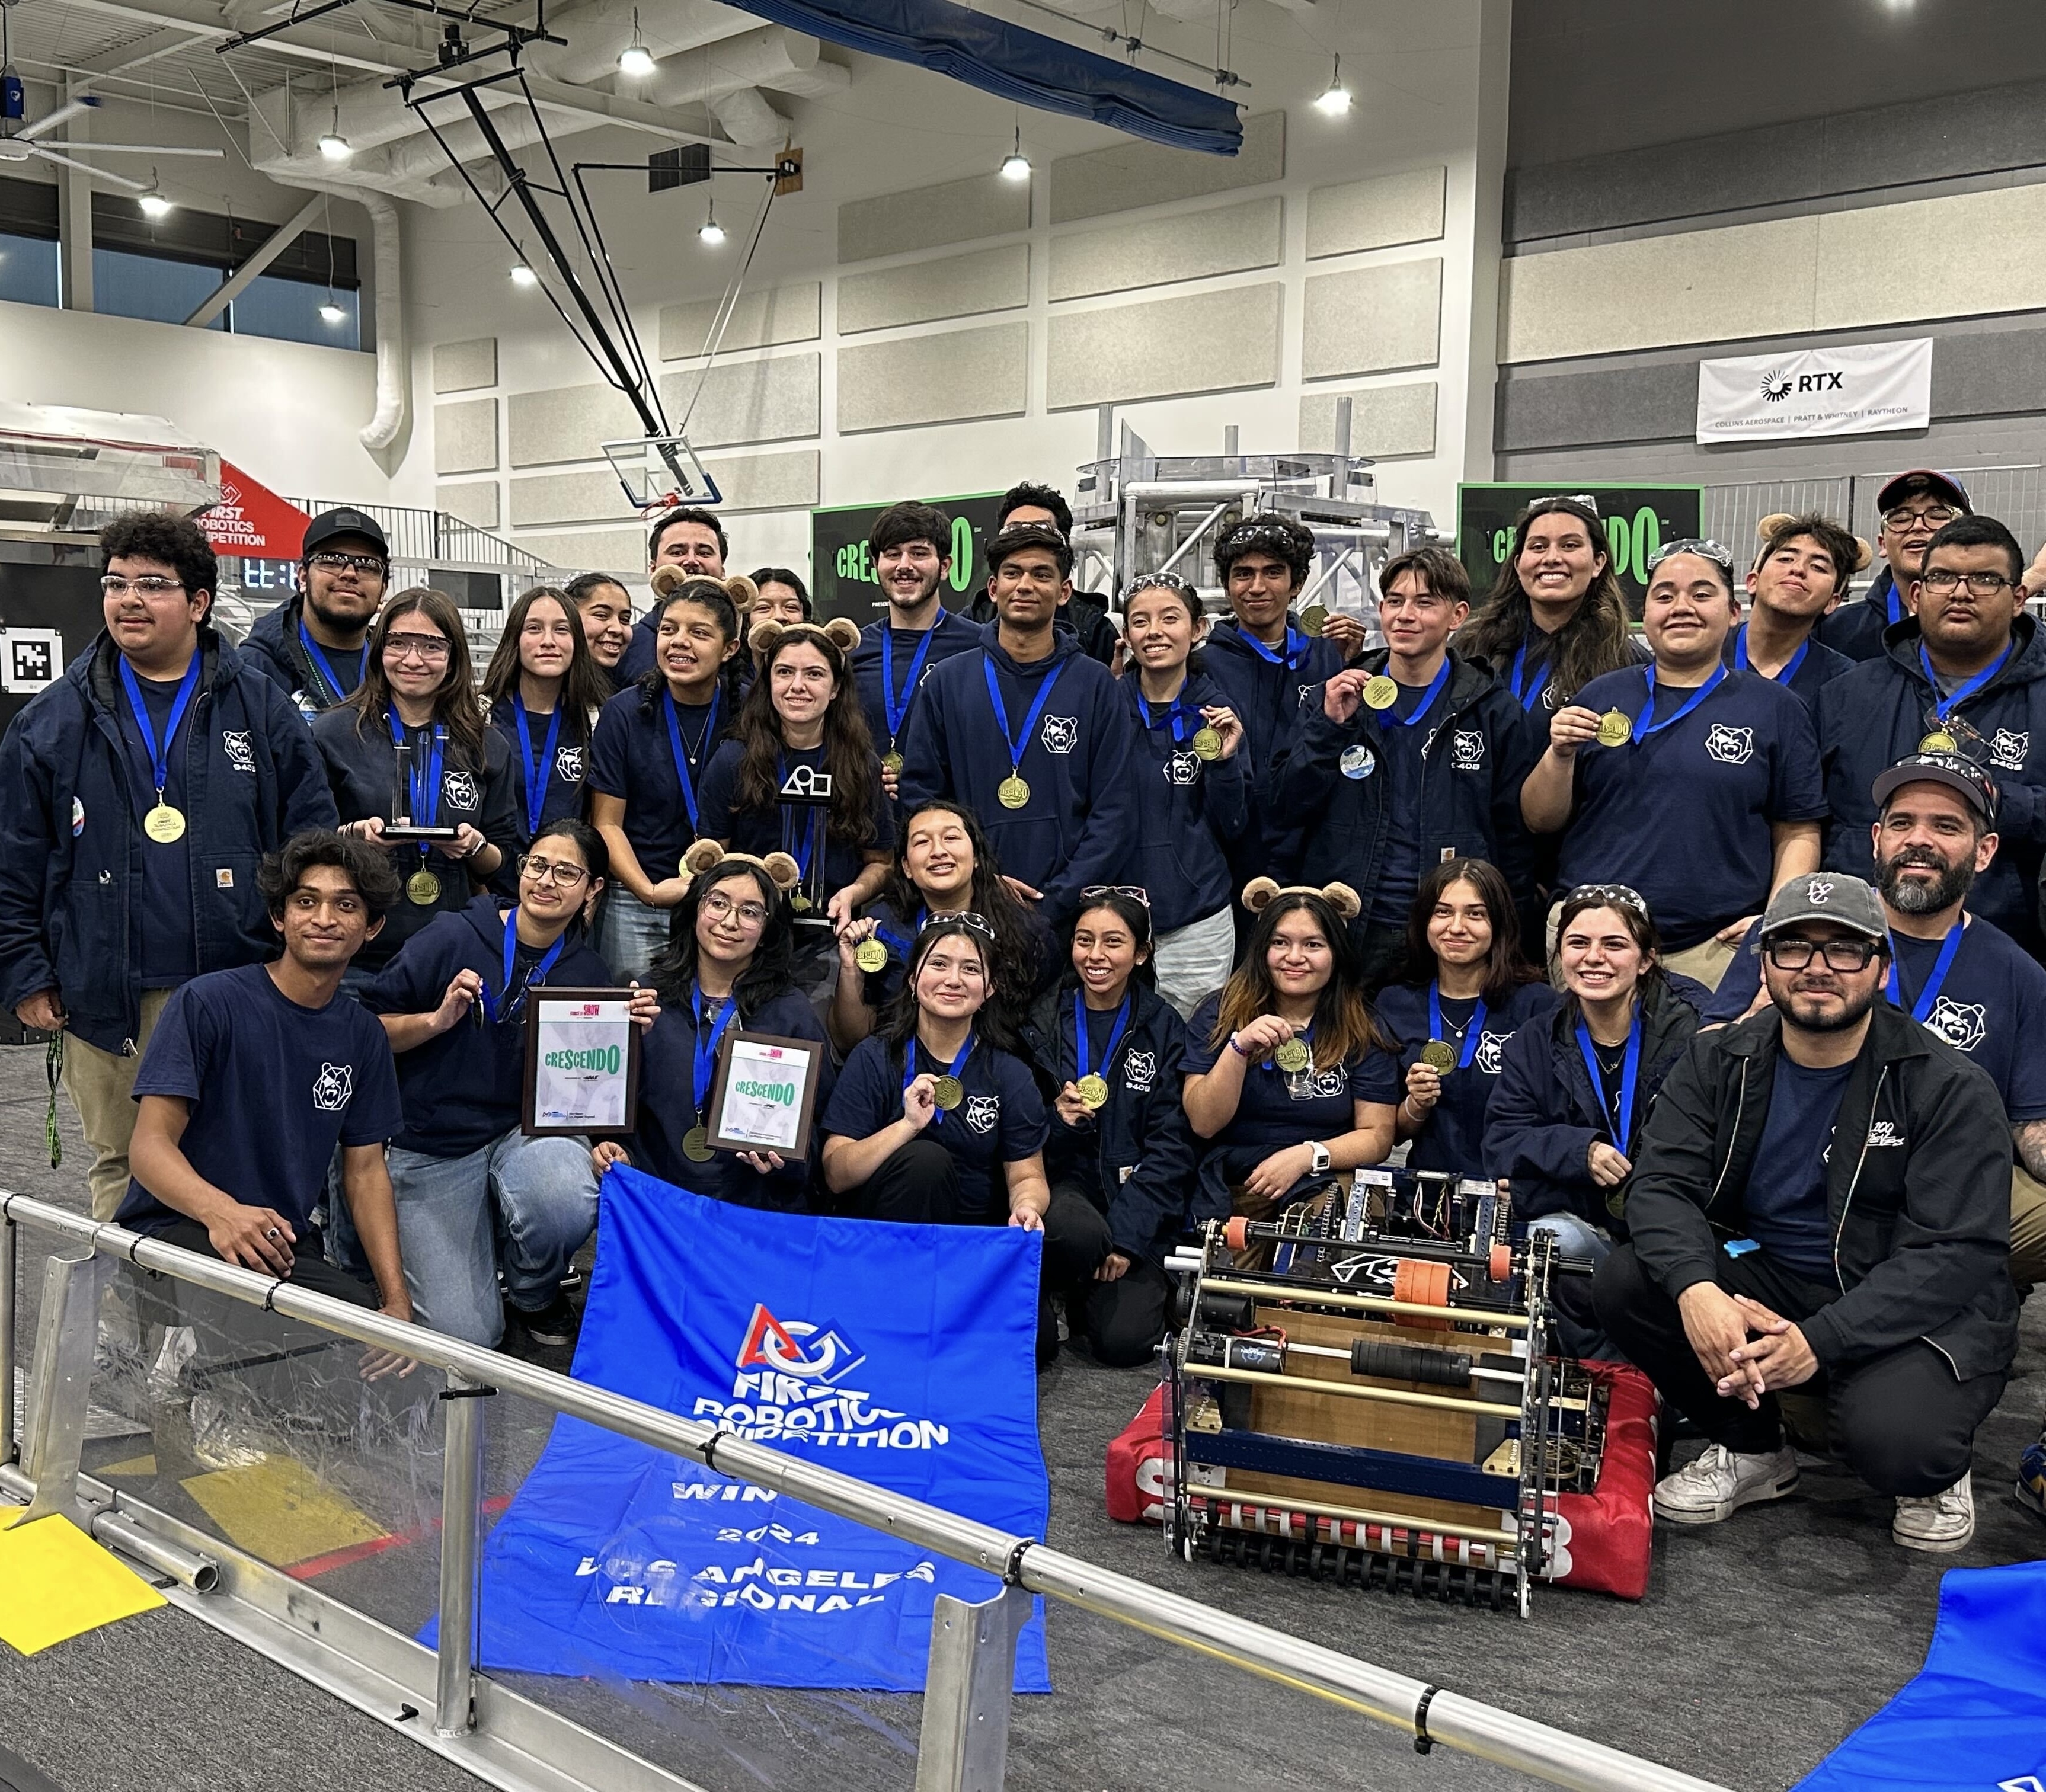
(313, 644)
(1822, 1195)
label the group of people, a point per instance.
(1109, 918)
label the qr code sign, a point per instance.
(32, 659)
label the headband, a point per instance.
(842, 632)
(708, 855)
(1767, 527)
(1260, 893)
(668, 580)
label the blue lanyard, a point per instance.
(1533, 694)
(538, 974)
(706, 1050)
(910, 1070)
(159, 752)
(1427, 702)
(1083, 1057)
(897, 710)
(806, 850)
(1471, 1031)
(1177, 714)
(1941, 705)
(326, 671)
(682, 758)
(1018, 746)
(1642, 729)
(1784, 676)
(426, 780)
(1296, 650)
(1630, 1072)
(1893, 605)
(1941, 966)
(536, 776)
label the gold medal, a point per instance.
(1012, 792)
(892, 762)
(1314, 619)
(1292, 1056)
(696, 1145)
(1939, 741)
(1093, 1091)
(164, 824)
(871, 955)
(1440, 1056)
(422, 887)
(1206, 744)
(800, 903)
(1614, 729)
(947, 1092)
(1380, 693)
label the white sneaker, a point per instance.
(1940, 1522)
(1720, 1483)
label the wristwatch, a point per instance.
(1321, 1160)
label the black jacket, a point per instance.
(1143, 1127)
(272, 647)
(1918, 1186)
(1856, 629)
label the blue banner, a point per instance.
(1974, 1719)
(903, 1356)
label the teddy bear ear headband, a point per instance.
(668, 581)
(705, 855)
(1260, 893)
(768, 634)
(1769, 525)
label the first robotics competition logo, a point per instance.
(790, 1387)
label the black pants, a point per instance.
(1901, 1420)
(310, 1270)
(1121, 1320)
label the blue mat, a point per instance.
(1973, 1719)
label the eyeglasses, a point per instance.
(1902, 517)
(148, 585)
(717, 905)
(367, 564)
(549, 871)
(416, 646)
(1608, 895)
(1135, 892)
(1945, 579)
(1692, 544)
(1794, 953)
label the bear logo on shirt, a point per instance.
(458, 791)
(1060, 734)
(2008, 749)
(1324, 1084)
(1962, 1025)
(1466, 752)
(333, 1086)
(982, 1112)
(241, 755)
(567, 765)
(1182, 769)
(1140, 1069)
(1729, 744)
(1491, 1054)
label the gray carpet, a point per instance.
(1759, 1645)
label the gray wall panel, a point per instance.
(746, 401)
(476, 504)
(760, 320)
(1386, 422)
(955, 286)
(1223, 240)
(1130, 173)
(954, 211)
(466, 437)
(620, 552)
(1373, 320)
(786, 481)
(567, 423)
(943, 378)
(462, 367)
(568, 498)
(1205, 342)
(1381, 213)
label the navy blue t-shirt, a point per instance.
(632, 756)
(561, 783)
(951, 633)
(1400, 759)
(273, 1087)
(1684, 816)
(1818, 665)
(164, 916)
(1785, 1201)
(999, 1120)
(1453, 1139)
(789, 827)
(1276, 1111)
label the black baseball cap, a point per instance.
(1923, 479)
(1961, 776)
(330, 525)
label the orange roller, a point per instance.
(1502, 1262)
(1425, 1284)
(1235, 1234)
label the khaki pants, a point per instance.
(102, 1086)
(1707, 962)
(2028, 1228)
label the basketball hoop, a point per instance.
(661, 474)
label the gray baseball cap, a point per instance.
(1826, 895)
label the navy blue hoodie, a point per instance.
(71, 876)
(1193, 813)
(464, 1087)
(273, 647)
(951, 634)
(1857, 629)
(1876, 715)
(1080, 822)
(1269, 699)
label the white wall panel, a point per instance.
(1386, 422)
(1203, 342)
(1129, 174)
(941, 378)
(1373, 319)
(759, 320)
(955, 286)
(1221, 240)
(566, 423)
(745, 401)
(466, 437)
(475, 503)
(954, 211)
(462, 367)
(1381, 213)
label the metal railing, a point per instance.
(965, 1724)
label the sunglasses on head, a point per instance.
(1609, 896)
(1693, 544)
(1093, 892)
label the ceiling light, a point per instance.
(335, 148)
(635, 59)
(331, 312)
(1335, 99)
(153, 204)
(712, 231)
(523, 275)
(1016, 165)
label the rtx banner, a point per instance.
(1857, 391)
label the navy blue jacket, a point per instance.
(951, 634)
(1136, 1160)
(1270, 700)
(1192, 814)
(638, 657)
(71, 845)
(1546, 1113)
(1079, 824)
(464, 1087)
(1877, 713)
(565, 796)
(273, 647)
(1857, 629)
(1480, 748)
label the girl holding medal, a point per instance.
(419, 692)
(727, 966)
(544, 689)
(1466, 992)
(1197, 809)
(1112, 1047)
(652, 746)
(1288, 1081)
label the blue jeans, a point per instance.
(1578, 1328)
(629, 932)
(527, 1204)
